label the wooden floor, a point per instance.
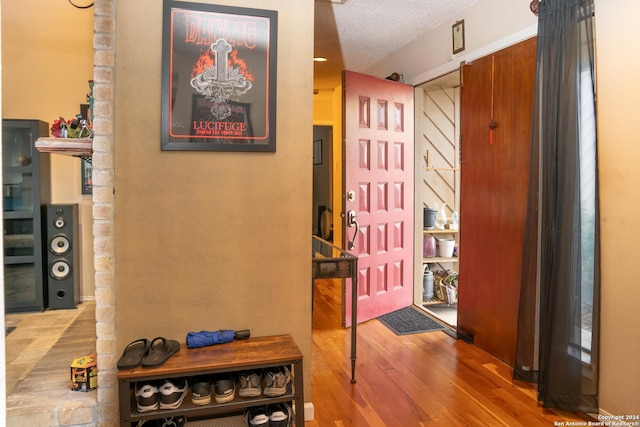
(426, 379)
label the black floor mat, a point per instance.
(8, 330)
(410, 320)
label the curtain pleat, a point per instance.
(558, 324)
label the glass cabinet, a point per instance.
(25, 188)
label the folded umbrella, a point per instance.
(208, 338)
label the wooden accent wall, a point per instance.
(494, 185)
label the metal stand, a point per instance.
(332, 262)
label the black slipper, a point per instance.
(133, 354)
(160, 350)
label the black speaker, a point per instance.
(63, 254)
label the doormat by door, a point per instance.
(8, 330)
(410, 320)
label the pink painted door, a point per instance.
(378, 192)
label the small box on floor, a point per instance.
(84, 373)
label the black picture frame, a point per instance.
(457, 36)
(84, 112)
(218, 105)
(317, 151)
(86, 174)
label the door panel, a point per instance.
(495, 175)
(378, 170)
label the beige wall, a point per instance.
(47, 61)
(212, 240)
(485, 22)
(619, 151)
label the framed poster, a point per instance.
(218, 78)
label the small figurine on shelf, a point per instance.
(85, 131)
(76, 128)
(57, 128)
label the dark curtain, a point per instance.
(558, 324)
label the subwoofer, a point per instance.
(63, 254)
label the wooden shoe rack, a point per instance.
(237, 356)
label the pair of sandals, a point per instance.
(148, 354)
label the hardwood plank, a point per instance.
(427, 379)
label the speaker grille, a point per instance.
(60, 269)
(60, 245)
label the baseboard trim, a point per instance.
(309, 411)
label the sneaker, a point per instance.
(147, 395)
(172, 393)
(279, 415)
(276, 380)
(225, 388)
(201, 391)
(250, 384)
(256, 417)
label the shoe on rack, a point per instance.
(201, 391)
(177, 421)
(275, 381)
(256, 417)
(225, 388)
(250, 384)
(280, 414)
(172, 393)
(147, 396)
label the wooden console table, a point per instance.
(331, 262)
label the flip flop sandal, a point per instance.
(160, 350)
(133, 354)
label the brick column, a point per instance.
(104, 45)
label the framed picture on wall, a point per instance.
(84, 111)
(457, 35)
(317, 151)
(86, 172)
(218, 78)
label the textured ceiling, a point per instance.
(357, 34)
